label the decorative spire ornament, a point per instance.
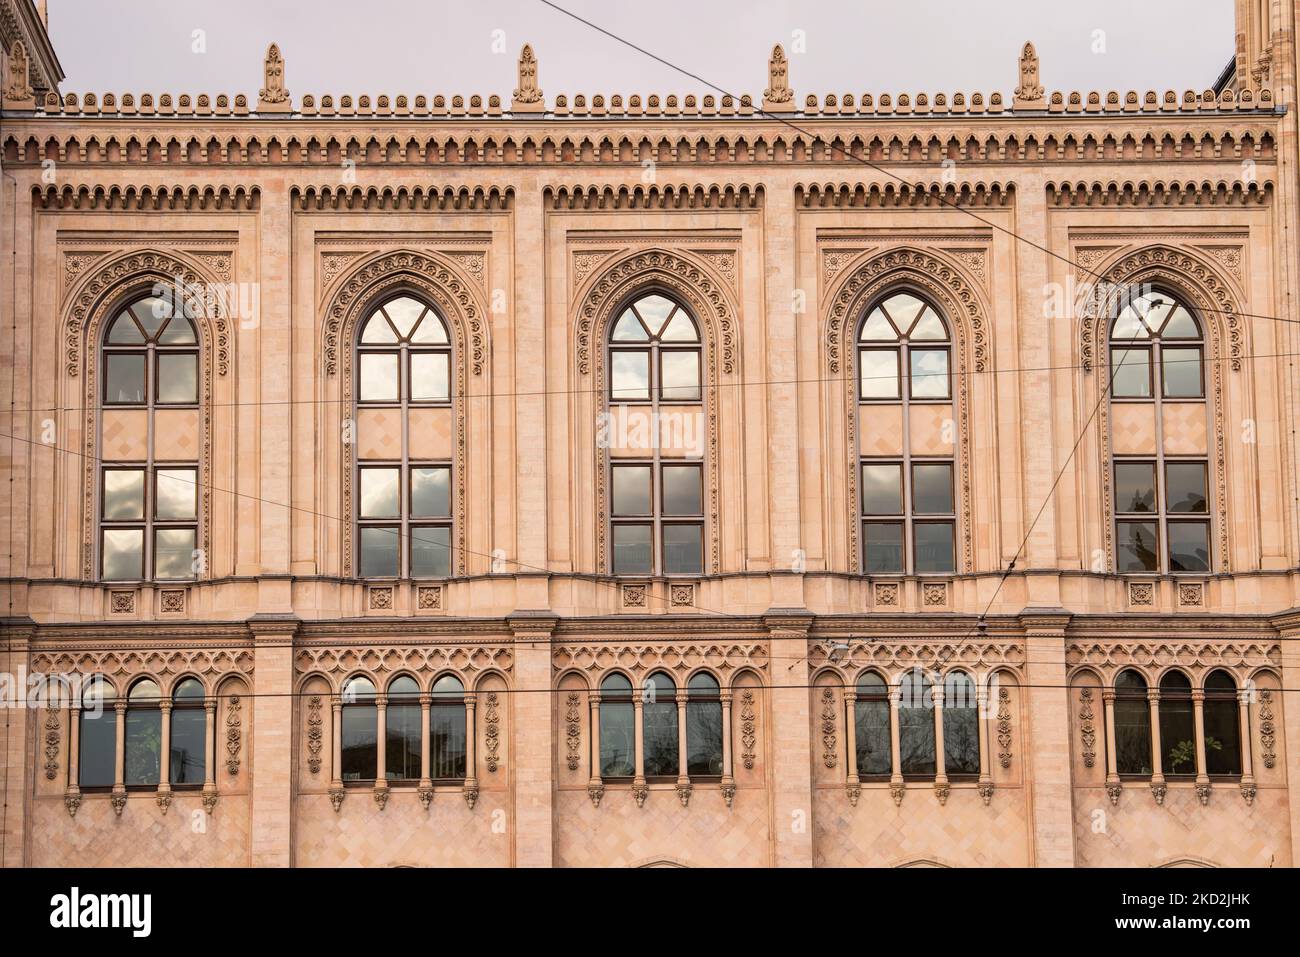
(18, 93)
(778, 97)
(273, 97)
(528, 96)
(1029, 94)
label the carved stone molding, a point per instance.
(53, 725)
(573, 730)
(640, 791)
(1113, 791)
(336, 798)
(748, 735)
(72, 802)
(209, 800)
(595, 792)
(233, 735)
(1248, 792)
(641, 657)
(379, 662)
(896, 791)
(1267, 730)
(896, 656)
(381, 797)
(1203, 793)
(828, 727)
(684, 793)
(163, 800)
(1087, 728)
(1152, 655)
(118, 800)
(426, 797)
(492, 731)
(941, 791)
(1158, 791)
(985, 789)
(854, 793)
(429, 598)
(1004, 728)
(728, 793)
(130, 661)
(315, 733)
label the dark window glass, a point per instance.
(124, 378)
(916, 726)
(932, 488)
(188, 759)
(1132, 725)
(123, 556)
(1189, 546)
(123, 495)
(1185, 486)
(1132, 373)
(1135, 487)
(682, 491)
(1222, 725)
(97, 756)
(143, 745)
(380, 493)
(430, 492)
(617, 728)
(1177, 725)
(360, 732)
(379, 553)
(632, 490)
(934, 546)
(703, 727)
(961, 743)
(447, 730)
(402, 731)
(1137, 548)
(431, 551)
(882, 488)
(683, 549)
(632, 550)
(659, 726)
(1181, 372)
(884, 546)
(871, 718)
(173, 553)
(178, 378)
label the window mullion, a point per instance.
(905, 394)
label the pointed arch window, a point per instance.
(97, 735)
(402, 730)
(359, 731)
(403, 363)
(904, 357)
(659, 726)
(916, 738)
(617, 728)
(149, 495)
(703, 726)
(656, 474)
(1177, 726)
(872, 731)
(961, 727)
(447, 730)
(1132, 725)
(1162, 501)
(188, 759)
(143, 757)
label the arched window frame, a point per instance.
(629, 521)
(890, 525)
(704, 706)
(359, 732)
(1131, 719)
(411, 478)
(1181, 747)
(402, 762)
(142, 738)
(141, 501)
(1223, 725)
(188, 709)
(452, 760)
(1153, 350)
(99, 706)
(660, 726)
(871, 704)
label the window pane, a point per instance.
(879, 371)
(883, 550)
(682, 491)
(882, 489)
(877, 328)
(617, 758)
(124, 331)
(1222, 736)
(430, 330)
(378, 374)
(177, 493)
(1137, 547)
(124, 379)
(659, 736)
(704, 738)
(178, 378)
(1132, 373)
(929, 327)
(872, 734)
(933, 543)
(430, 492)
(916, 727)
(123, 553)
(1181, 369)
(431, 551)
(179, 332)
(430, 376)
(903, 308)
(1180, 325)
(680, 329)
(402, 742)
(173, 553)
(683, 549)
(654, 309)
(188, 756)
(1189, 546)
(632, 550)
(932, 488)
(97, 757)
(143, 746)
(152, 312)
(447, 741)
(929, 373)
(379, 552)
(123, 495)
(680, 375)
(359, 732)
(632, 490)
(1177, 737)
(629, 329)
(1135, 487)
(630, 375)
(403, 312)
(378, 331)
(1132, 736)
(380, 493)
(1185, 486)
(961, 745)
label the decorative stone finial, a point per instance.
(18, 93)
(1029, 94)
(274, 98)
(778, 97)
(528, 97)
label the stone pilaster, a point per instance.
(534, 744)
(271, 742)
(791, 765)
(1047, 750)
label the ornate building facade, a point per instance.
(598, 480)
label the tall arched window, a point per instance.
(1132, 725)
(1177, 726)
(188, 759)
(359, 731)
(617, 728)
(659, 726)
(1161, 498)
(404, 493)
(97, 754)
(871, 717)
(656, 458)
(1222, 725)
(402, 731)
(961, 726)
(143, 757)
(916, 725)
(703, 726)
(447, 730)
(149, 477)
(905, 388)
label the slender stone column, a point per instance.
(1158, 786)
(1247, 758)
(1198, 723)
(381, 750)
(940, 763)
(119, 756)
(728, 784)
(165, 757)
(425, 780)
(896, 786)
(336, 727)
(1112, 765)
(683, 779)
(982, 729)
(640, 789)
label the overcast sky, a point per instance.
(446, 46)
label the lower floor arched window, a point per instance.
(1132, 725)
(360, 730)
(97, 755)
(961, 723)
(916, 725)
(447, 730)
(402, 731)
(1222, 725)
(187, 762)
(617, 728)
(871, 719)
(143, 758)
(703, 726)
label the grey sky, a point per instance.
(445, 46)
